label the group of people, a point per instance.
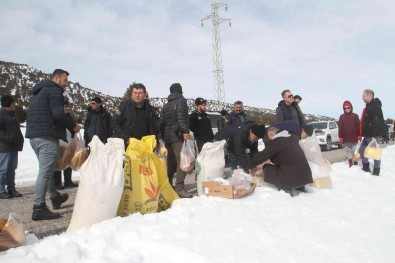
(282, 161)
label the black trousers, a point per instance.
(57, 175)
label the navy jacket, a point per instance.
(238, 141)
(11, 138)
(123, 120)
(103, 129)
(46, 116)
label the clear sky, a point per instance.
(325, 51)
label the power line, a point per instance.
(219, 88)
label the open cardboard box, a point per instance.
(214, 188)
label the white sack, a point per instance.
(101, 184)
(210, 163)
(312, 151)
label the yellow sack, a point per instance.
(142, 187)
(167, 193)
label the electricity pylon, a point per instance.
(219, 88)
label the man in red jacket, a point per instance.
(349, 130)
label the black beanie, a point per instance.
(176, 88)
(259, 130)
(96, 99)
(6, 101)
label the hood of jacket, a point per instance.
(174, 96)
(375, 102)
(43, 84)
(347, 101)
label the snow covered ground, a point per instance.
(353, 222)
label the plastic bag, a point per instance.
(240, 180)
(210, 163)
(101, 184)
(80, 154)
(356, 156)
(187, 158)
(373, 151)
(65, 151)
(11, 231)
(162, 152)
(313, 153)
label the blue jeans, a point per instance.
(8, 165)
(364, 144)
(47, 152)
(233, 161)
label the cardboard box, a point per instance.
(322, 182)
(213, 188)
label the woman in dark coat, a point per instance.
(288, 168)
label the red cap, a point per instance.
(347, 104)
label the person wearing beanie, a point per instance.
(349, 131)
(67, 173)
(11, 142)
(240, 138)
(283, 162)
(46, 124)
(174, 127)
(135, 118)
(200, 124)
(97, 122)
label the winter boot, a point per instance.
(365, 167)
(184, 194)
(376, 171)
(349, 163)
(5, 195)
(14, 193)
(356, 163)
(58, 200)
(41, 212)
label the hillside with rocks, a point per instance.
(18, 80)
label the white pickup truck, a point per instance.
(327, 133)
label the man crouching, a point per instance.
(285, 164)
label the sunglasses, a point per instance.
(290, 96)
(346, 108)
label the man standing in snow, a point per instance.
(372, 127)
(289, 110)
(235, 118)
(175, 130)
(11, 141)
(349, 131)
(135, 118)
(200, 124)
(47, 123)
(98, 122)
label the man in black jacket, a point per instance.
(175, 130)
(200, 124)
(288, 109)
(372, 126)
(135, 118)
(47, 123)
(57, 175)
(11, 141)
(98, 122)
(240, 138)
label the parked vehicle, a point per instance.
(327, 133)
